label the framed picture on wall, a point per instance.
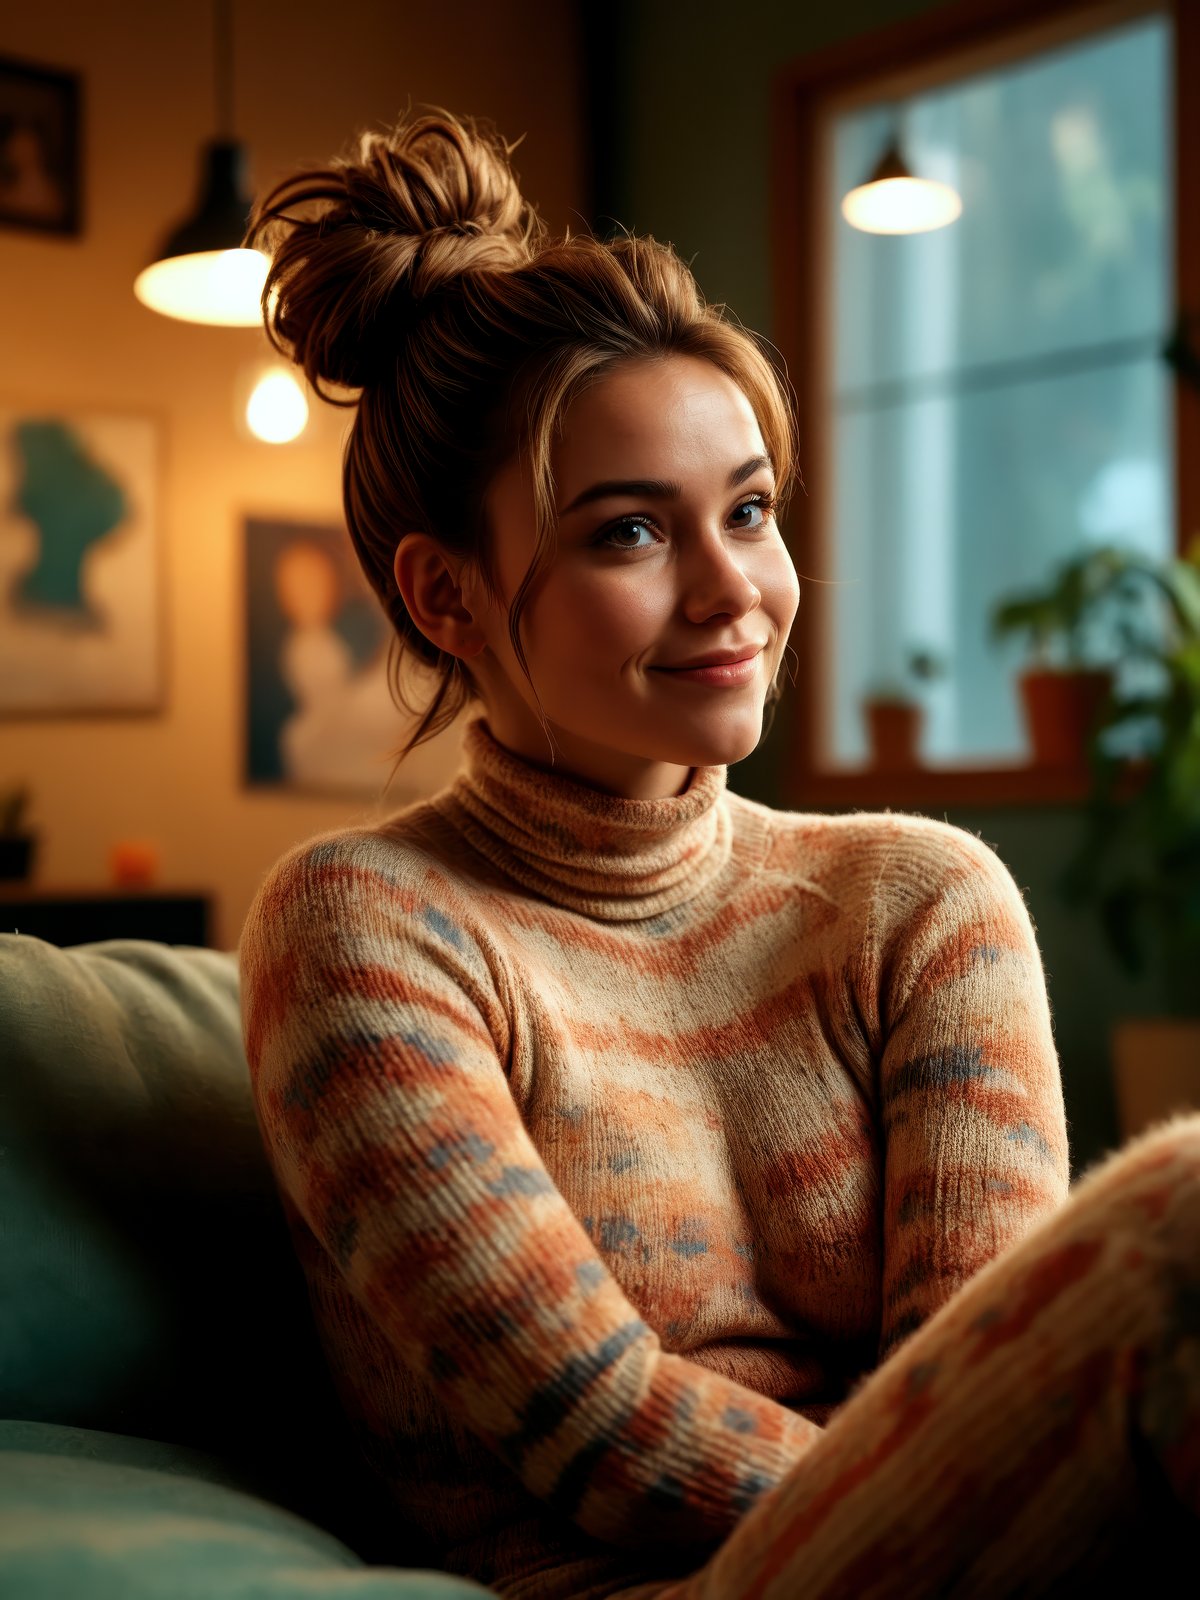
(80, 563)
(39, 148)
(319, 717)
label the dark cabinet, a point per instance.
(63, 918)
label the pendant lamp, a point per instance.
(893, 201)
(201, 273)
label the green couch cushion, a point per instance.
(124, 1111)
(147, 1282)
(117, 1518)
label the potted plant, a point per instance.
(1138, 861)
(17, 844)
(894, 715)
(1062, 693)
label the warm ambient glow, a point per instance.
(277, 411)
(223, 287)
(901, 205)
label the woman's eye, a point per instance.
(629, 526)
(762, 507)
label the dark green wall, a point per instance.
(680, 99)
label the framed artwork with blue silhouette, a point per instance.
(80, 564)
(319, 717)
(39, 148)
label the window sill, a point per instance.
(933, 788)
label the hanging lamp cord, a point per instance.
(223, 57)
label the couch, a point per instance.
(167, 1424)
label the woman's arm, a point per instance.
(376, 1041)
(970, 1091)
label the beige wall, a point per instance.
(72, 335)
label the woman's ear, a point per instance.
(431, 590)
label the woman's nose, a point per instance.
(715, 575)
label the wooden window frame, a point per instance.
(899, 59)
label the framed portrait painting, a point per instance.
(319, 717)
(80, 563)
(39, 148)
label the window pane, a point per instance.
(999, 401)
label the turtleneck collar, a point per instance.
(600, 854)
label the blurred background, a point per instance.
(964, 229)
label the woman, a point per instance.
(682, 1185)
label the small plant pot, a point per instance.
(893, 734)
(16, 856)
(1061, 710)
(1156, 1069)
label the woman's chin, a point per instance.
(721, 746)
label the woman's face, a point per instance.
(667, 550)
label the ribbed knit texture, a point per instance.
(621, 1138)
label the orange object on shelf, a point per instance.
(134, 862)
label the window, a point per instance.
(983, 400)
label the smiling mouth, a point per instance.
(713, 666)
(717, 675)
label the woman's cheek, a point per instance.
(780, 586)
(633, 611)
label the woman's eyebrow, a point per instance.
(659, 488)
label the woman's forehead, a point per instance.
(643, 411)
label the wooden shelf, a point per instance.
(65, 916)
(32, 889)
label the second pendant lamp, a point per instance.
(893, 201)
(201, 273)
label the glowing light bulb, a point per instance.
(277, 410)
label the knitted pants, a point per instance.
(1040, 1435)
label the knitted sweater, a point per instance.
(619, 1138)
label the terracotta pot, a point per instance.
(1061, 707)
(893, 734)
(1156, 1069)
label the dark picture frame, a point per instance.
(40, 186)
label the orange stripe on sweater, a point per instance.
(916, 1403)
(1048, 1279)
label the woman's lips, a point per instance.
(730, 672)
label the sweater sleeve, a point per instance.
(376, 1035)
(971, 1096)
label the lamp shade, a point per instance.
(893, 201)
(202, 273)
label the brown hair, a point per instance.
(418, 275)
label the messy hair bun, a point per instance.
(416, 273)
(404, 217)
